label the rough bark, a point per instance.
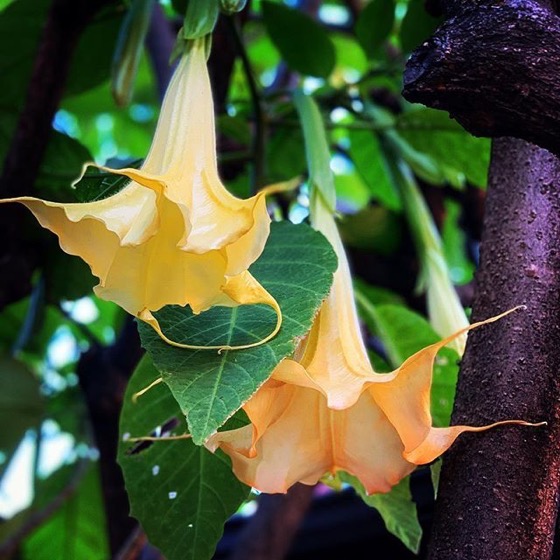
(493, 66)
(499, 490)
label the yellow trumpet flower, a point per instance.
(174, 234)
(327, 410)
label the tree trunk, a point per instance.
(493, 66)
(498, 493)
(490, 65)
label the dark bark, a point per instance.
(494, 67)
(499, 490)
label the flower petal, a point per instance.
(297, 438)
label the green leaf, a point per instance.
(285, 154)
(237, 128)
(461, 268)
(396, 508)
(5, 3)
(91, 62)
(317, 148)
(20, 26)
(374, 229)
(435, 473)
(417, 25)
(200, 18)
(370, 164)
(67, 277)
(129, 49)
(377, 295)
(446, 142)
(374, 24)
(302, 42)
(76, 530)
(352, 193)
(62, 163)
(97, 184)
(350, 57)
(423, 165)
(296, 267)
(181, 493)
(403, 333)
(21, 404)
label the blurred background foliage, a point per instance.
(350, 56)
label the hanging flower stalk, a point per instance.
(174, 234)
(445, 311)
(326, 410)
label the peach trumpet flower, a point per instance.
(326, 410)
(174, 234)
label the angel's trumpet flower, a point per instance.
(174, 234)
(326, 410)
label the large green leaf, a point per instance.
(285, 154)
(454, 150)
(76, 530)
(403, 332)
(200, 18)
(396, 508)
(302, 42)
(181, 493)
(370, 164)
(296, 267)
(20, 25)
(374, 24)
(317, 148)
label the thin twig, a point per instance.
(259, 139)
(36, 299)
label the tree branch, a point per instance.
(493, 66)
(499, 491)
